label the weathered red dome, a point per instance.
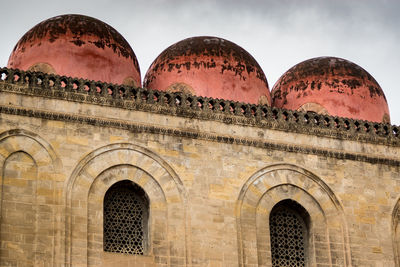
(211, 67)
(77, 46)
(332, 86)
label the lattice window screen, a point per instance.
(125, 219)
(288, 232)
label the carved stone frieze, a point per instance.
(141, 128)
(190, 106)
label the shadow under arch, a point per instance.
(277, 182)
(154, 169)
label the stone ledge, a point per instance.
(189, 106)
(141, 128)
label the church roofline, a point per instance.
(203, 108)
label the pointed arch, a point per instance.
(274, 183)
(31, 143)
(99, 170)
(19, 144)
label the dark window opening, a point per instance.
(126, 212)
(289, 235)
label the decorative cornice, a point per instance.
(140, 128)
(190, 106)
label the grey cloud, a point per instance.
(279, 34)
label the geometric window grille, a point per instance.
(126, 209)
(288, 237)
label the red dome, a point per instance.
(211, 67)
(77, 46)
(332, 86)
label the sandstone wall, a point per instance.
(211, 187)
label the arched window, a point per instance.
(126, 213)
(289, 235)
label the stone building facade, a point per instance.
(202, 167)
(213, 173)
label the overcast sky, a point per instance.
(278, 34)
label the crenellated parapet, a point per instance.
(190, 106)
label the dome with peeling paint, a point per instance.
(333, 86)
(77, 46)
(210, 67)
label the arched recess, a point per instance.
(328, 234)
(396, 233)
(85, 192)
(29, 171)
